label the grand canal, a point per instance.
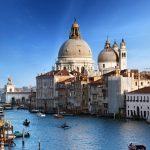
(86, 133)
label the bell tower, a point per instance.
(122, 56)
(9, 86)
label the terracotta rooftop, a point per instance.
(75, 73)
(63, 72)
(68, 80)
(145, 90)
(50, 73)
(55, 72)
(97, 82)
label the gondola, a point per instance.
(26, 123)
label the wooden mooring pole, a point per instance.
(39, 145)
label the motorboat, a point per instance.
(66, 114)
(34, 111)
(7, 106)
(1, 110)
(21, 107)
(41, 114)
(136, 147)
(20, 134)
(58, 116)
(26, 123)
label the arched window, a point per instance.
(103, 65)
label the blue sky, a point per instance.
(32, 31)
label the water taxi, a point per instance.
(21, 134)
(41, 114)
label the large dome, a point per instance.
(107, 55)
(75, 48)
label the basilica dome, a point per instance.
(107, 54)
(75, 53)
(75, 48)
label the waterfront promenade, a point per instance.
(86, 132)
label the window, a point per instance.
(135, 83)
(103, 65)
(141, 83)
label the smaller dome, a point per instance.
(108, 55)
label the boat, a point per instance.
(22, 107)
(66, 114)
(41, 114)
(7, 106)
(136, 147)
(26, 123)
(1, 110)
(20, 134)
(65, 126)
(34, 111)
(58, 116)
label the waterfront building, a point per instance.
(98, 101)
(73, 93)
(138, 103)
(46, 97)
(119, 82)
(15, 96)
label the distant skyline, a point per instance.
(32, 31)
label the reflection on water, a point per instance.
(86, 133)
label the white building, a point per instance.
(138, 103)
(117, 86)
(14, 95)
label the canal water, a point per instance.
(86, 133)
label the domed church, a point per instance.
(112, 57)
(75, 53)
